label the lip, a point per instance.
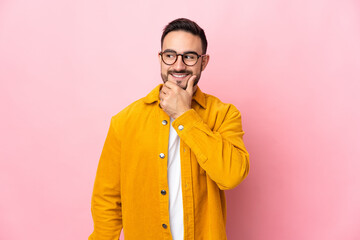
(179, 76)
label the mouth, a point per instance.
(179, 76)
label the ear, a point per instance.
(159, 58)
(205, 61)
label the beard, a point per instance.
(165, 77)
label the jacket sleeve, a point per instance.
(106, 198)
(220, 153)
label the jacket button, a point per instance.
(164, 226)
(164, 122)
(163, 192)
(181, 127)
(162, 155)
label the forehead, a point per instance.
(182, 41)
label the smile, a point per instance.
(179, 75)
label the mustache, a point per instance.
(179, 72)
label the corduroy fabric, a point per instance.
(132, 170)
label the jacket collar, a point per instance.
(153, 96)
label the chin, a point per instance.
(181, 84)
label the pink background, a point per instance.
(291, 67)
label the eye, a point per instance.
(169, 55)
(190, 56)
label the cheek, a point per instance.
(164, 69)
(164, 72)
(197, 70)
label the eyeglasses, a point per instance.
(188, 58)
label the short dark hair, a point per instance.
(186, 25)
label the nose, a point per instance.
(179, 64)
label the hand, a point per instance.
(174, 100)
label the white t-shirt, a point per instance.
(174, 182)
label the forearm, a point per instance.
(106, 213)
(220, 153)
(106, 198)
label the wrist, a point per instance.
(178, 114)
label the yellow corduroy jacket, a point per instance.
(132, 170)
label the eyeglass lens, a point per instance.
(171, 57)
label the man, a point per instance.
(168, 157)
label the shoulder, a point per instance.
(131, 113)
(140, 106)
(137, 112)
(131, 109)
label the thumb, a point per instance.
(190, 85)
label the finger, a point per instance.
(170, 85)
(167, 87)
(190, 85)
(161, 96)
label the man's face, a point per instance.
(179, 73)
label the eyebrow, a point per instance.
(170, 50)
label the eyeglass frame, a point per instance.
(182, 57)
